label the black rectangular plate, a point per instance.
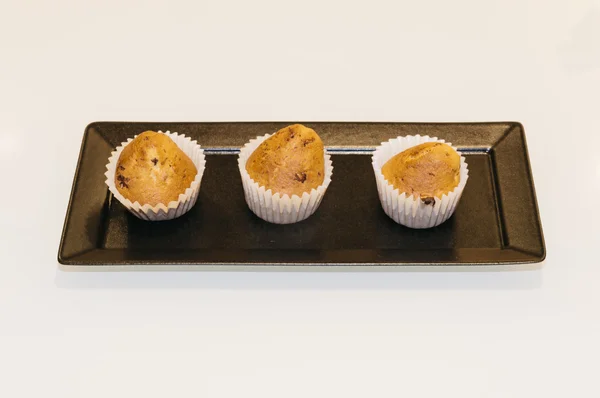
(496, 222)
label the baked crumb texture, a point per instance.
(152, 170)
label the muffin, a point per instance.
(152, 169)
(285, 175)
(290, 162)
(156, 175)
(427, 170)
(419, 179)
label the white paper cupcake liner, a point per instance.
(403, 208)
(273, 207)
(161, 211)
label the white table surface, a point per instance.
(66, 63)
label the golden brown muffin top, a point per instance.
(152, 170)
(427, 170)
(289, 162)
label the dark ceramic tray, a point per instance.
(496, 222)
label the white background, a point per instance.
(66, 63)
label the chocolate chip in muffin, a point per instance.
(122, 181)
(308, 141)
(300, 177)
